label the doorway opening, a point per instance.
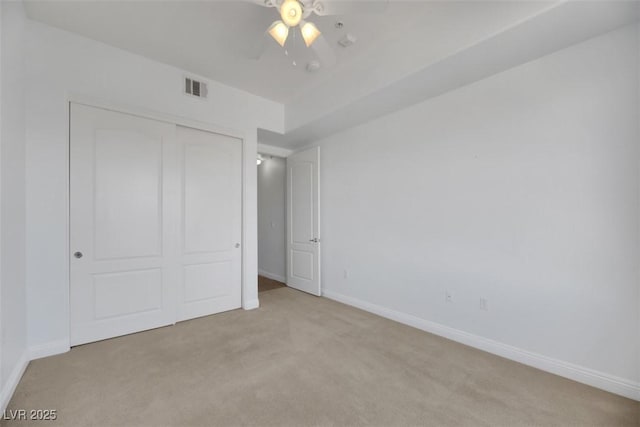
(272, 180)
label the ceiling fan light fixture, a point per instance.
(291, 12)
(279, 31)
(309, 33)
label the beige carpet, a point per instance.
(265, 284)
(301, 360)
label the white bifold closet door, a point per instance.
(155, 215)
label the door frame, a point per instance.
(247, 266)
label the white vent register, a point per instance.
(195, 88)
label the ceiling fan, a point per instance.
(294, 13)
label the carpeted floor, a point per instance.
(265, 284)
(301, 360)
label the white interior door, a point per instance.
(303, 225)
(123, 195)
(210, 223)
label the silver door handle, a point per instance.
(315, 240)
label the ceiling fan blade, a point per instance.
(324, 52)
(263, 3)
(353, 7)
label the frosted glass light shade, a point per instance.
(279, 31)
(309, 33)
(291, 12)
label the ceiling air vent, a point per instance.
(195, 88)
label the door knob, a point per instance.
(314, 240)
(237, 245)
(78, 255)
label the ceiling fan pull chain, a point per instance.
(295, 40)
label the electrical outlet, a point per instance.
(448, 297)
(484, 304)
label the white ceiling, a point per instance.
(215, 38)
(395, 58)
(556, 28)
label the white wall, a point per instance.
(522, 189)
(60, 64)
(13, 321)
(638, 123)
(271, 218)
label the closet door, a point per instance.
(124, 199)
(211, 221)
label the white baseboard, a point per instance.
(251, 304)
(49, 349)
(610, 383)
(272, 276)
(10, 385)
